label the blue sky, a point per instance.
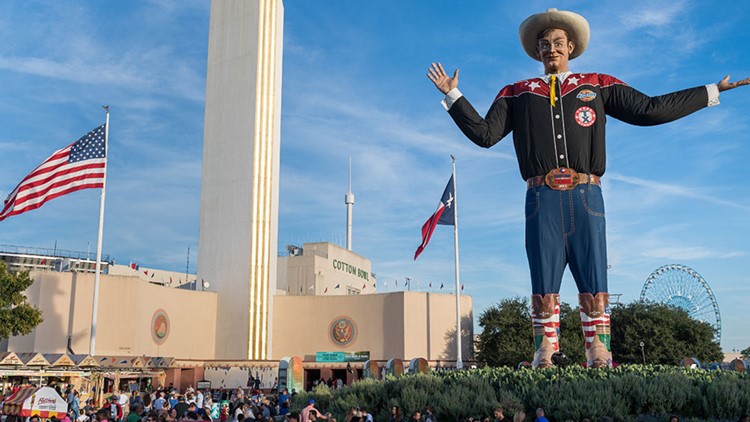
(355, 86)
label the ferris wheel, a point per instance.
(681, 286)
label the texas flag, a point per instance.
(443, 215)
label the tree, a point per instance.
(17, 317)
(571, 334)
(507, 338)
(745, 353)
(668, 334)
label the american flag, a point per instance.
(80, 165)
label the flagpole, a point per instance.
(459, 361)
(95, 307)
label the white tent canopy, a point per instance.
(46, 403)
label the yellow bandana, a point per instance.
(552, 83)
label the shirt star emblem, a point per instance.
(573, 80)
(534, 85)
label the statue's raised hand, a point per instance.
(724, 84)
(442, 81)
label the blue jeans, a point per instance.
(566, 228)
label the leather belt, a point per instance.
(563, 179)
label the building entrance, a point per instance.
(339, 374)
(311, 375)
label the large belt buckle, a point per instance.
(562, 179)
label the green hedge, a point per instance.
(629, 392)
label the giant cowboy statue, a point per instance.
(558, 129)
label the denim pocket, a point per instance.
(532, 203)
(592, 200)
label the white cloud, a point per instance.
(682, 253)
(73, 71)
(63, 52)
(686, 191)
(655, 14)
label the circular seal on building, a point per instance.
(342, 331)
(160, 326)
(585, 116)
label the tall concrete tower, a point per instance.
(240, 179)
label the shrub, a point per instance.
(629, 392)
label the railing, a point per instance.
(54, 253)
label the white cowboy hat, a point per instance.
(574, 24)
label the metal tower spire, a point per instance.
(349, 201)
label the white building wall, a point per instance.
(125, 319)
(323, 266)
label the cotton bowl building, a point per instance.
(326, 311)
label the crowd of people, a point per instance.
(330, 383)
(170, 405)
(246, 404)
(237, 405)
(157, 406)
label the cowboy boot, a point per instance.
(545, 322)
(595, 324)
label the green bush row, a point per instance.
(629, 392)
